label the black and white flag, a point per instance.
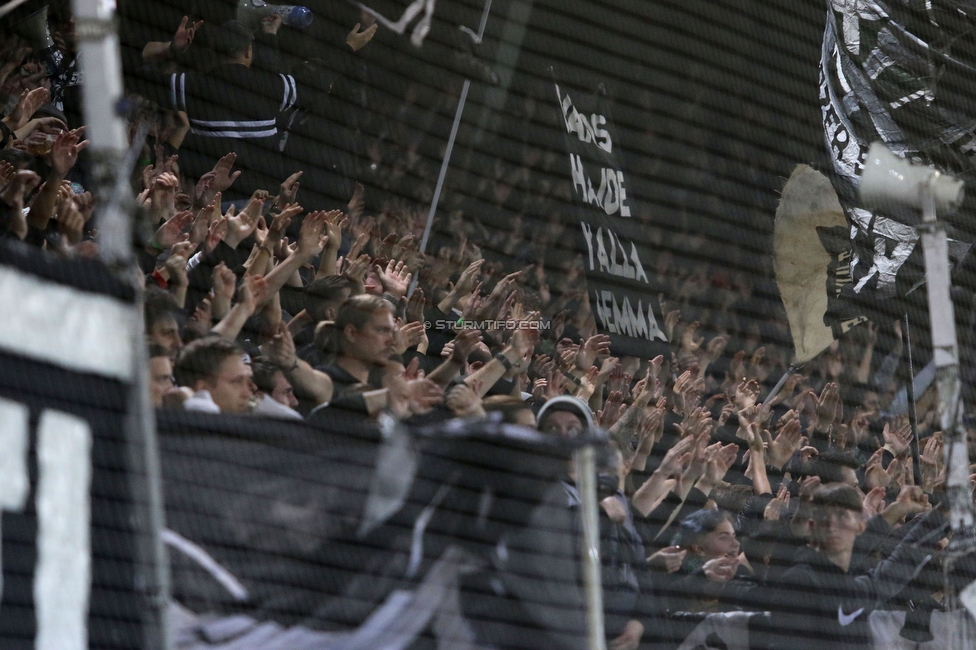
(900, 73)
(67, 525)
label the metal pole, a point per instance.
(946, 357)
(444, 165)
(782, 381)
(906, 338)
(145, 480)
(100, 64)
(102, 92)
(590, 516)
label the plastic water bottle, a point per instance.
(252, 12)
(294, 16)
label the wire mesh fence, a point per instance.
(395, 264)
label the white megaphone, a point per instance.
(252, 12)
(891, 184)
(34, 28)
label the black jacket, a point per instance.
(816, 605)
(231, 108)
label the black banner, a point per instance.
(338, 537)
(623, 296)
(70, 561)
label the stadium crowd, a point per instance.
(717, 495)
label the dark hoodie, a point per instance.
(817, 605)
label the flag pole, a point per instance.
(906, 337)
(782, 381)
(450, 142)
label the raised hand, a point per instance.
(185, 33)
(932, 461)
(27, 104)
(650, 430)
(335, 221)
(897, 440)
(215, 234)
(314, 233)
(404, 246)
(669, 558)
(720, 461)
(746, 393)
(224, 282)
(874, 502)
(749, 428)
(874, 474)
(423, 395)
(671, 320)
(524, 340)
(497, 295)
(202, 192)
(469, 277)
(289, 190)
(408, 336)
(64, 152)
(911, 500)
(554, 385)
(688, 341)
(6, 172)
(358, 38)
(21, 184)
(676, 457)
(590, 349)
(787, 391)
(71, 222)
(358, 245)
(654, 385)
(252, 292)
(279, 224)
(611, 409)
(721, 569)
(356, 203)
(281, 348)
(618, 380)
(827, 405)
(224, 176)
(162, 195)
(714, 350)
(240, 226)
(775, 508)
(463, 401)
(464, 344)
(169, 233)
(538, 391)
(395, 278)
(271, 24)
(808, 486)
(686, 391)
(787, 440)
(608, 371)
(416, 305)
(587, 386)
(755, 363)
(356, 269)
(175, 264)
